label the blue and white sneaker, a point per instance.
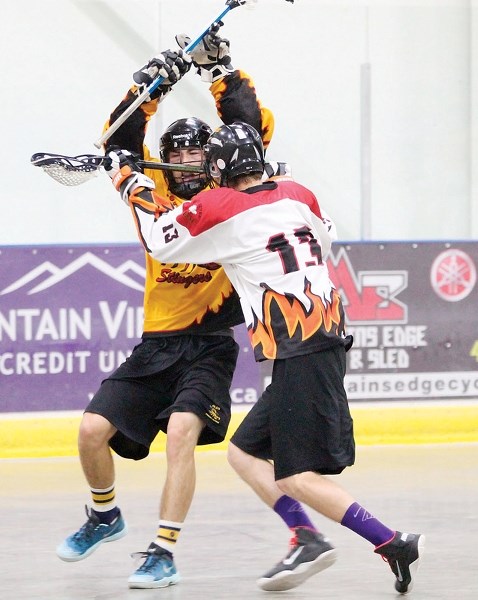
(86, 540)
(157, 571)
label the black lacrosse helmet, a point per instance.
(184, 133)
(233, 150)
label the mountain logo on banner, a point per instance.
(55, 275)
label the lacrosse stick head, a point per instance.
(68, 170)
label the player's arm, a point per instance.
(236, 100)
(233, 90)
(157, 220)
(170, 64)
(329, 225)
(324, 231)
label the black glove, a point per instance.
(169, 64)
(211, 56)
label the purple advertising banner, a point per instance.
(69, 315)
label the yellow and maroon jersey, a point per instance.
(190, 298)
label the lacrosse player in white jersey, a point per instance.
(272, 239)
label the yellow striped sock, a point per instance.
(168, 534)
(103, 499)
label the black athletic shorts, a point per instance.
(181, 373)
(302, 420)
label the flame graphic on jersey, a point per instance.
(321, 314)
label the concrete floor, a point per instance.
(230, 538)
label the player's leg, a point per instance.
(121, 416)
(183, 433)
(105, 522)
(257, 473)
(402, 551)
(248, 453)
(200, 414)
(159, 569)
(93, 447)
(326, 447)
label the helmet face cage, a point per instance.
(233, 150)
(184, 133)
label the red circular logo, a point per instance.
(453, 275)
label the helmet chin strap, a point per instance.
(188, 189)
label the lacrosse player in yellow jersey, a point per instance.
(178, 377)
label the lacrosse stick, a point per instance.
(230, 4)
(75, 170)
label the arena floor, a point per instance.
(230, 538)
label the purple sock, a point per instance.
(366, 525)
(292, 513)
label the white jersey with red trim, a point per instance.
(272, 241)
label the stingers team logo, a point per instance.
(171, 276)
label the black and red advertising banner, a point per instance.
(70, 315)
(412, 308)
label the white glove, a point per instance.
(211, 56)
(125, 174)
(276, 169)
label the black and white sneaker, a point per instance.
(310, 552)
(403, 553)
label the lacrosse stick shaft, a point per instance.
(157, 82)
(159, 166)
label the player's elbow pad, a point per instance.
(132, 183)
